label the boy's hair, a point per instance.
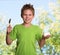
(27, 6)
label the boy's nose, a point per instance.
(27, 16)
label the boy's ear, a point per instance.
(33, 16)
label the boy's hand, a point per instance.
(46, 35)
(9, 29)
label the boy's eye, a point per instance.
(24, 14)
(29, 14)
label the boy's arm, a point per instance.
(42, 41)
(8, 40)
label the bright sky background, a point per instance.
(11, 9)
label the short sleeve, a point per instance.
(39, 34)
(13, 33)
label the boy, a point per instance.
(26, 33)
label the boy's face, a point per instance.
(27, 16)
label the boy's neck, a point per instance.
(27, 24)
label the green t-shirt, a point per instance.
(26, 38)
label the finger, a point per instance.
(9, 26)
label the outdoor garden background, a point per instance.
(48, 20)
